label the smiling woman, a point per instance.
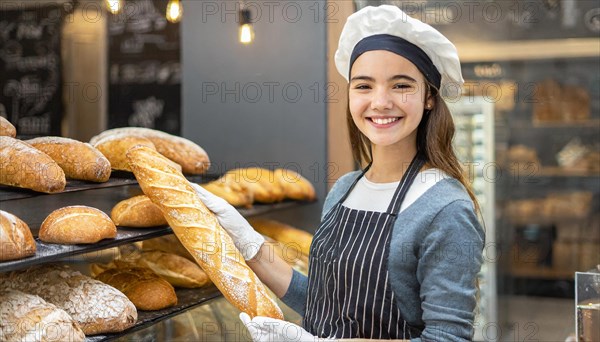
(384, 262)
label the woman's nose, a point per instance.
(381, 100)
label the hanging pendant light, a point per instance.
(174, 11)
(246, 29)
(114, 6)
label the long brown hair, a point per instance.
(434, 141)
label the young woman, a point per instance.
(399, 247)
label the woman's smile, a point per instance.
(385, 121)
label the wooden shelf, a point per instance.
(590, 123)
(557, 171)
(541, 273)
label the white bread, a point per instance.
(77, 224)
(77, 159)
(6, 128)
(137, 211)
(23, 166)
(199, 231)
(192, 158)
(25, 317)
(95, 306)
(145, 289)
(16, 240)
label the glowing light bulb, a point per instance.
(246, 34)
(114, 6)
(174, 11)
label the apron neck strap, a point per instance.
(407, 179)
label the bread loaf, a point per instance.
(192, 158)
(16, 240)
(145, 289)
(25, 317)
(294, 185)
(290, 237)
(23, 166)
(200, 232)
(95, 306)
(6, 128)
(115, 146)
(77, 159)
(235, 193)
(137, 211)
(261, 182)
(77, 224)
(177, 270)
(167, 243)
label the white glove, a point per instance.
(266, 329)
(245, 238)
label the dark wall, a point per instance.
(260, 104)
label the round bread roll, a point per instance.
(78, 160)
(137, 211)
(6, 128)
(16, 241)
(77, 224)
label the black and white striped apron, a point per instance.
(349, 295)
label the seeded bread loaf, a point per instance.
(26, 317)
(95, 306)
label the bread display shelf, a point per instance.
(187, 299)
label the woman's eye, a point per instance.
(402, 86)
(362, 86)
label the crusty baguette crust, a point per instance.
(192, 158)
(6, 128)
(77, 224)
(95, 306)
(115, 146)
(290, 237)
(262, 183)
(199, 231)
(26, 317)
(238, 194)
(177, 270)
(23, 166)
(145, 289)
(294, 185)
(137, 211)
(78, 160)
(16, 240)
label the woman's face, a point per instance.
(387, 94)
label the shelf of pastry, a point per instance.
(117, 178)
(47, 252)
(186, 299)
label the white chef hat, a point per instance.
(387, 27)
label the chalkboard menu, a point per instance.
(30, 65)
(144, 68)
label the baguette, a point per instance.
(23, 166)
(114, 147)
(261, 182)
(6, 128)
(16, 240)
(290, 237)
(168, 244)
(294, 185)
(77, 159)
(137, 211)
(192, 158)
(200, 232)
(77, 224)
(145, 289)
(25, 317)
(95, 306)
(235, 193)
